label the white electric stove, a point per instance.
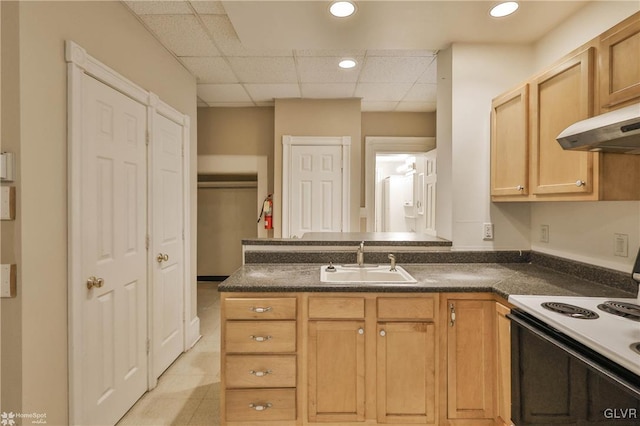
(611, 335)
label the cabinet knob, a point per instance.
(361, 330)
(383, 333)
(580, 183)
(260, 338)
(260, 407)
(520, 188)
(452, 314)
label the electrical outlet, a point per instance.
(544, 233)
(487, 231)
(621, 245)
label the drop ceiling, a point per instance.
(248, 53)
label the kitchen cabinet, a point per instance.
(468, 364)
(503, 365)
(619, 64)
(402, 347)
(406, 360)
(560, 97)
(510, 144)
(259, 341)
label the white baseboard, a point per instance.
(193, 332)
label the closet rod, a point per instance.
(230, 184)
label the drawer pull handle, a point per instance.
(261, 338)
(260, 310)
(259, 407)
(260, 373)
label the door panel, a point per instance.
(167, 237)
(316, 189)
(114, 363)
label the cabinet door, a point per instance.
(510, 144)
(406, 373)
(336, 371)
(559, 98)
(503, 364)
(470, 360)
(619, 63)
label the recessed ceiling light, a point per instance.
(504, 9)
(342, 9)
(347, 63)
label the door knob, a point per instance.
(162, 257)
(94, 282)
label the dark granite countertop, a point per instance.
(504, 279)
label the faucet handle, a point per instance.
(392, 258)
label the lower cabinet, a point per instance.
(365, 358)
(468, 370)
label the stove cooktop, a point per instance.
(610, 335)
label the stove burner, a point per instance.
(622, 309)
(570, 310)
(635, 347)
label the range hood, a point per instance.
(616, 131)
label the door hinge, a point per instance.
(147, 137)
(148, 345)
(182, 148)
(146, 242)
(182, 234)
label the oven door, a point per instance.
(555, 380)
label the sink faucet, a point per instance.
(392, 258)
(360, 255)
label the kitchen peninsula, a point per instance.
(298, 351)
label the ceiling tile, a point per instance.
(382, 92)
(264, 70)
(206, 7)
(330, 52)
(211, 93)
(430, 75)
(182, 34)
(381, 69)
(325, 70)
(160, 7)
(212, 69)
(378, 106)
(228, 42)
(328, 90)
(405, 106)
(267, 92)
(401, 52)
(422, 93)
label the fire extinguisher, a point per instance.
(267, 210)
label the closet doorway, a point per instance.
(226, 216)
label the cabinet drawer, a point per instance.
(260, 336)
(336, 307)
(260, 405)
(260, 371)
(400, 308)
(260, 308)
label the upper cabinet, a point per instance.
(510, 144)
(619, 64)
(528, 164)
(560, 97)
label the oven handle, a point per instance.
(576, 354)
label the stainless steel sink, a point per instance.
(346, 274)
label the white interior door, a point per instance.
(114, 257)
(167, 243)
(315, 201)
(430, 180)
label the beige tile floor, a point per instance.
(188, 392)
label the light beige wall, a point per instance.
(584, 231)
(110, 33)
(226, 216)
(401, 124)
(10, 309)
(307, 117)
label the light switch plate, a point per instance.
(621, 245)
(8, 280)
(7, 202)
